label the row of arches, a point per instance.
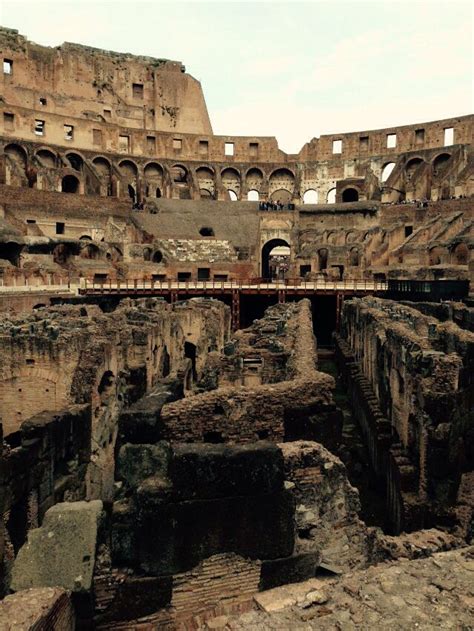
(437, 163)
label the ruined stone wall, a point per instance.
(420, 373)
(286, 397)
(94, 88)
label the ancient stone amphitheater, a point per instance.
(236, 385)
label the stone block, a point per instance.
(62, 552)
(206, 471)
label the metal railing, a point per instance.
(223, 285)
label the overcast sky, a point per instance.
(293, 70)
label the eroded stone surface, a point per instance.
(61, 552)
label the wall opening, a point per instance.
(69, 184)
(310, 196)
(274, 264)
(331, 196)
(350, 195)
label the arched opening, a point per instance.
(387, 170)
(75, 161)
(69, 184)
(147, 254)
(205, 178)
(411, 166)
(85, 237)
(158, 192)
(275, 258)
(322, 259)
(440, 162)
(102, 167)
(310, 196)
(253, 196)
(131, 193)
(231, 180)
(157, 256)
(46, 158)
(460, 254)
(331, 196)
(205, 231)
(254, 179)
(281, 186)
(16, 153)
(281, 196)
(350, 195)
(11, 252)
(179, 173)
(153, 171)
(232, 195)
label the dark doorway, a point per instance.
(69, 184)
(266, 253)
(350, 195)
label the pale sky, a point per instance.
(290, 69)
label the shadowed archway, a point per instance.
(266, 252)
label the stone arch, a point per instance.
(310, 196)
(231, 180)
(411, 166)
(75, 160)
(206, 181)
(232, 195)
(331, 237)
(153, 170)
(147, 254)
(331, 196)
(102, 166)
(266, 252)
(350, 194)
(254, 179)
(179, 173)
(386, 171)
(128, 169)
(440, 161)
(46, 158)
(16, 165)
(460, 254)
(70, 184)
(16, 153)
(281, 181)
(351, 236)
(253, 195)
(153, 173)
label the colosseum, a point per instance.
(236, 384)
